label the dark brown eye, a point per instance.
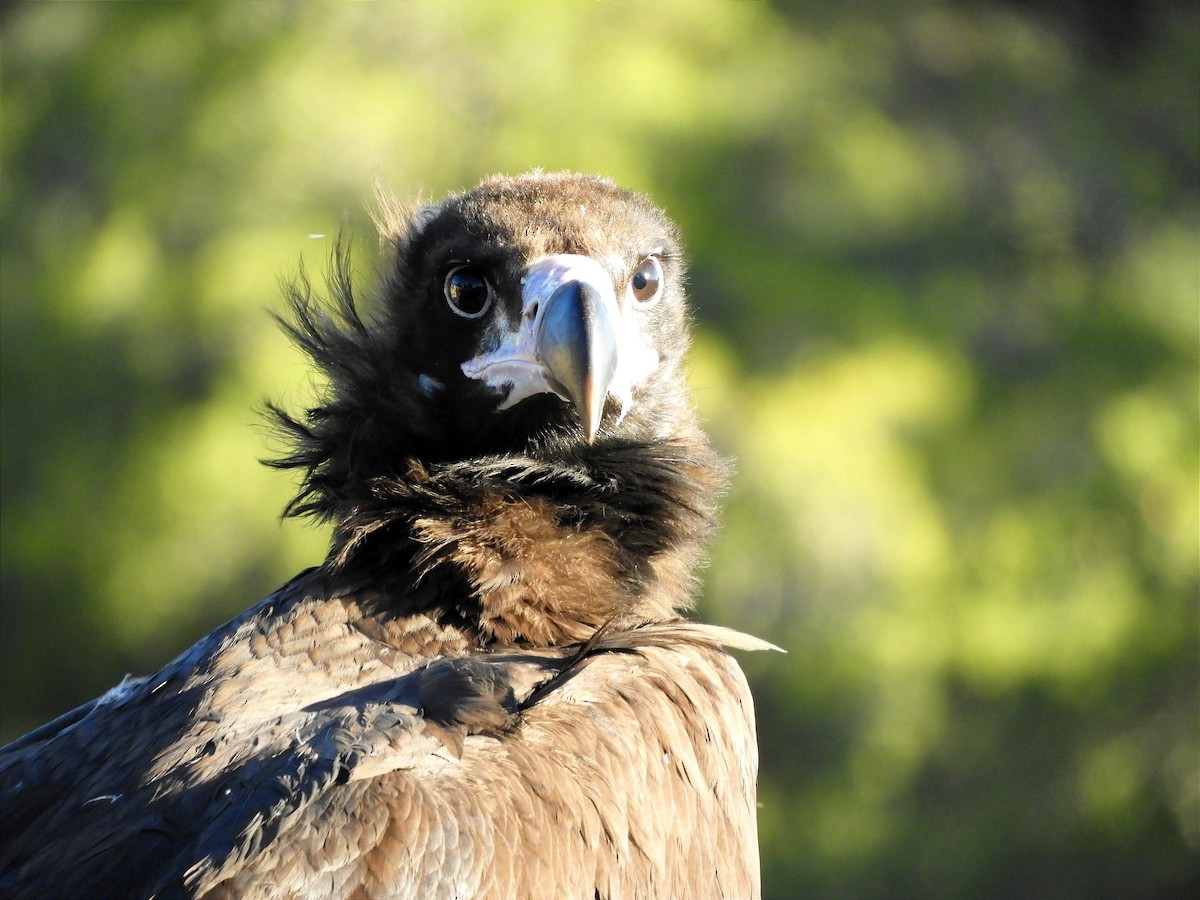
(468, 292)
(646, 283)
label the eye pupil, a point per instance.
(468, 293)
(639, 281)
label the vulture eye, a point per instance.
(468, 293)
(646, 282)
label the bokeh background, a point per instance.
(946, 267)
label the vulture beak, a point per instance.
(567, 341)
(577, 341)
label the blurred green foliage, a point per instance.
(947, 285)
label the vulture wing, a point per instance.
(619, 766)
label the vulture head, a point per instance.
(542, 307)
(539, 315)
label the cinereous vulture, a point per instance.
(487, 689)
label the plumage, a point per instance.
(487, 688)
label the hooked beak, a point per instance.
(576, 340)
(565, 343)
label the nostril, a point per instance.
(532, 311)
